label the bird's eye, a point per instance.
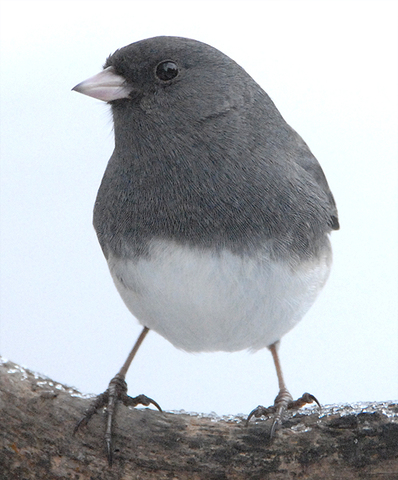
(166, 70)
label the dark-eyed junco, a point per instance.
(213, 214)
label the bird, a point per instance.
(213, 214)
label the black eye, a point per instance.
(166, 70)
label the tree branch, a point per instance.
(38, 416)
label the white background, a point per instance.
(331, 69)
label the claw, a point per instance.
(283, 402)
(140, 400)
(99, 401)
(81, 422)
(273, 427)
(116, 392)
(260, 411)
(109, 451)
(305, 399)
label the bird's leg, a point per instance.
(116, 392)
(283, 401)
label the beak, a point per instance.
(106, 86)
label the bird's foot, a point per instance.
(116, 392)
(283, 402)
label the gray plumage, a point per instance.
(205, 159)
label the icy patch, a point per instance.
(386, 408)
(42, 381)
(300, 428)
(45, 383)
(18, 369)
(77, 394)
(213, 416)
(361, 407)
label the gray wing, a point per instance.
(310, 164)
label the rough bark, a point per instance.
(38, 416)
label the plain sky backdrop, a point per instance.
(331, 69)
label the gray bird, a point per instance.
(213, 214)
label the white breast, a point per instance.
(203, 301)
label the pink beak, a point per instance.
(106, 86)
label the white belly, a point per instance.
(203, 301)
